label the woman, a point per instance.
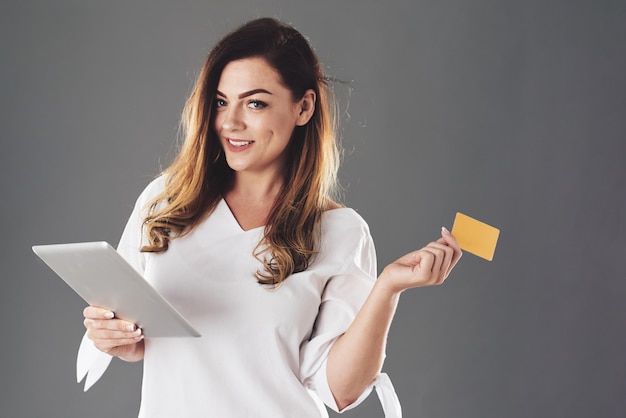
(242, 235)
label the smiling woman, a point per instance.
(255, 125)
(243, 235)
(261, 55)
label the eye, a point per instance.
(256, 104)
(220, 103)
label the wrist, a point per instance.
(386, 289)
(134, 354)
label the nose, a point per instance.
(231, 119)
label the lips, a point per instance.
(237, 145)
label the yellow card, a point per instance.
(475, 236)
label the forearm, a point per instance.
(357, 356)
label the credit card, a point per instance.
(474, 236)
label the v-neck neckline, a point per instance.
(233, 218)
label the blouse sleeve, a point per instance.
(342, 298)
(90, 361)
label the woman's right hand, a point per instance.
(113, 336)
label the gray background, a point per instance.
(510, 111)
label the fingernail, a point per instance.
(445, 230)
(109, 315)
(130, 327)
(138, 332)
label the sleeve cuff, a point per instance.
(384, 389)
(387, 396)
(90, 362)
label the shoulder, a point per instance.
(147, 196)
(152, 190)
(346, 242)
(344, 221)
(331, 204)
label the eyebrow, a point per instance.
(247, 93)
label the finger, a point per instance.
(435, 264)
(449, 239)
(445, 261)
(452, 242)
(94, 312)
(448, 262)
(425, 265)
(443, 255)
(107, 345)
(440, 260)
(447, 249)
(110, 324)
(115, 337)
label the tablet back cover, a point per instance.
(101, 276)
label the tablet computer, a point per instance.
(102, 277)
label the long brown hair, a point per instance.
(199, 176)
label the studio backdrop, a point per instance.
(513, 112)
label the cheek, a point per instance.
(283, 126)
(217, 122)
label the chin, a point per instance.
(236, 165)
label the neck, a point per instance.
(258, 187)
(252, 198)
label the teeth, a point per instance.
(239, 143)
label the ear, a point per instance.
(306, 107)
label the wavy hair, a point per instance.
(199, 176)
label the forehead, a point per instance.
(249, 74)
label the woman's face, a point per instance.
(256, 115)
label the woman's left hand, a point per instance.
(428, 266)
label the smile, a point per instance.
(238, 143)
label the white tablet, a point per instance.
(101, 276)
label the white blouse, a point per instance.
(263, 351)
